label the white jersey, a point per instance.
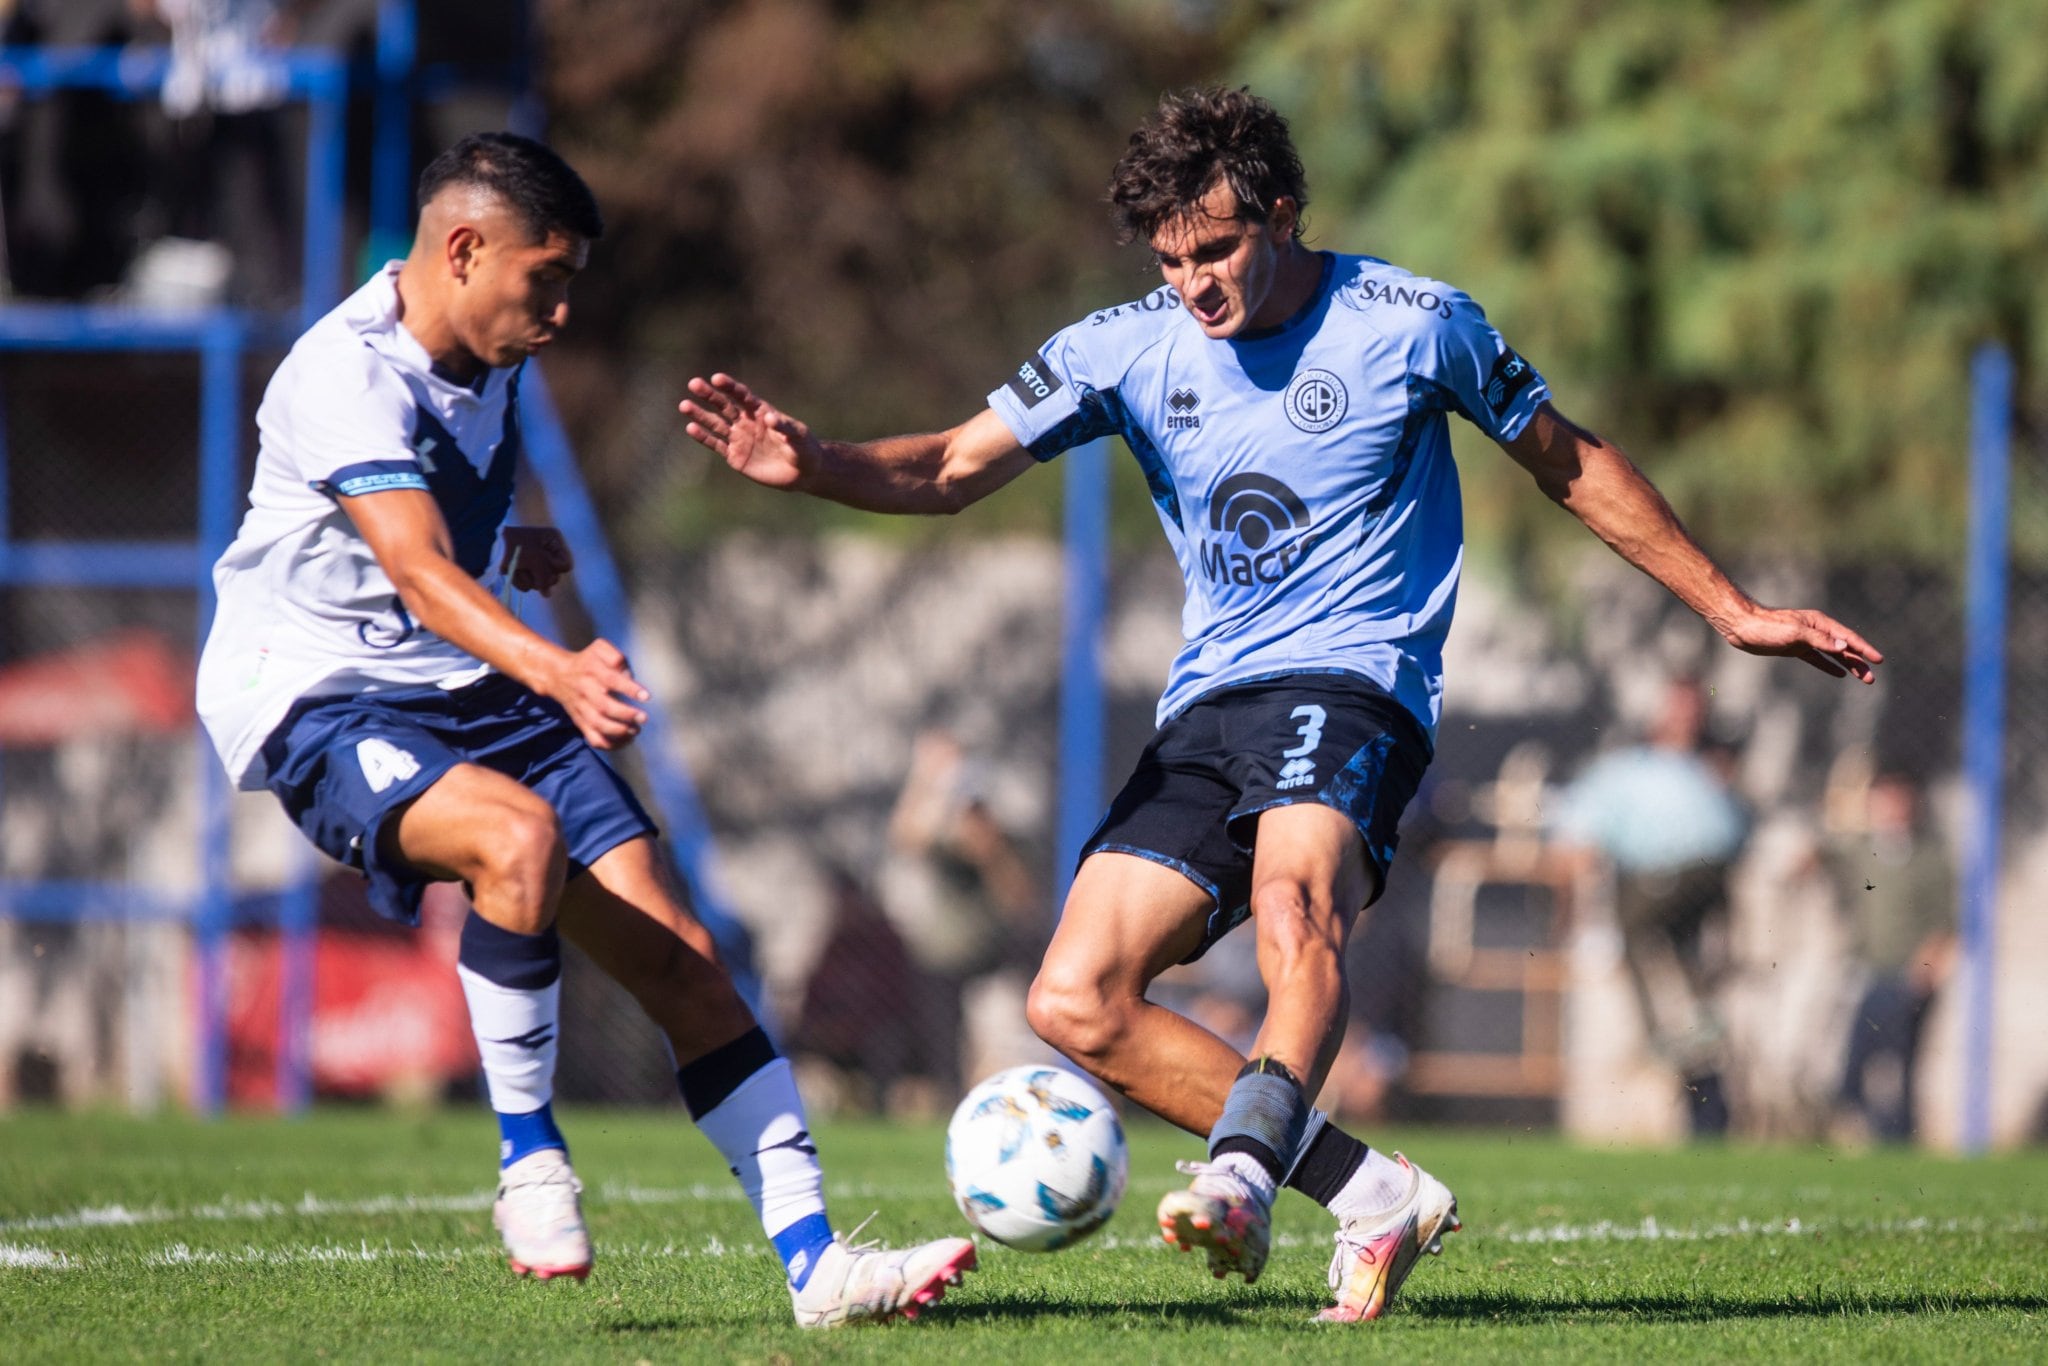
(304, 608)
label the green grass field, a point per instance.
(366, 1236)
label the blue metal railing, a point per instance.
(221, 337)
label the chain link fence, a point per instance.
(872, 726)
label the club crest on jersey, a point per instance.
(1181, 414)
(1254, 518)
(1316, 401)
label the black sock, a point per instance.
(1333, 1157)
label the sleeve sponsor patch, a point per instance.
(1034, 382)
(1511, 375)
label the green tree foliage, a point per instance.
(1756, 243)
(871, 211)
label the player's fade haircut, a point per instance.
(529, 177)
(1195, 139)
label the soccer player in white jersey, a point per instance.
(1288, 408)
(361, 669)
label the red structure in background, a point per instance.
(135, 682)
(388, 1018)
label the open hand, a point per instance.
(757, 439)
(542, 556)
(1801, 633)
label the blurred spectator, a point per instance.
(859, 1009)
(1898, 894)
(1662, 815)
(72, 163)
(226, 193)
(959, 892)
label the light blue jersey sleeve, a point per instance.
(1071, 391)
(1451, 347)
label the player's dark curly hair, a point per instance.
(528, 176)
(1193, 140)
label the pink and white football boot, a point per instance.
(1375, 1253)
(541, 1219)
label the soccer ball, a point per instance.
(1036, 1158)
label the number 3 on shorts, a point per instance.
(1311, 732)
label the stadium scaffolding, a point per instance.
(222, 337)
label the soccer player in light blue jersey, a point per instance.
(1288, 408)
(360, 668)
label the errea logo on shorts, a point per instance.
(384, 763)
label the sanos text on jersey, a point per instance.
(1372, 291)
(1151, 303)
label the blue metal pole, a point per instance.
(1081, 695)
(220, 414)
(325, 130)
(391, 139)
(297, 927)
(597, 583)
(1984, 724)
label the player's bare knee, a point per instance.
(1073, 1013)
(522, 854)
(1292, 925)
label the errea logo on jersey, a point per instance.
(1181, 414)
(1253, 511)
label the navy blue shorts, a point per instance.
(343, 765)
(1193, 802)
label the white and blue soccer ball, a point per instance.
(1036, 1158)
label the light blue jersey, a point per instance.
(1303, 474)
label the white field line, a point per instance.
(35, 1258)
(310, 1206)
(1650, 1230)
(180, 1254)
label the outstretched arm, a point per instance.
(932, 473)
(1598, 484)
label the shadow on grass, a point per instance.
(1017, 1311)
(1482, 1307)
(1510, 1308)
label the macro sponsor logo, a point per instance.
(1034, 382)
(1181, 405)
(1316, 401)
(1252, 516)
(1429, 301)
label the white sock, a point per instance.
(1252, 1172)
(1377, 1186)
(517, 1030)
(761, 1132)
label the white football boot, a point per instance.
(869, 1284)
(1223, 1213)
(540, 1218)
(1376, 1253)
